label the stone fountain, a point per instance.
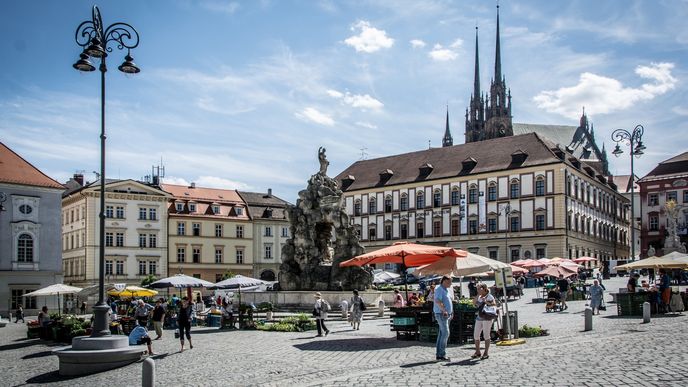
(672, 242)
(321, 238)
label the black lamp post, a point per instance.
(634, 140)
(94, 38)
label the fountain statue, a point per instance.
(321, 238)
(672, 242)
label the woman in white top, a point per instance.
(485, 302)
(320, 313)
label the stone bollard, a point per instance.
(646, 312)
(588, 319)
(148, 379)
(344, 305)
(381, 308)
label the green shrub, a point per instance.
(265, 307)
(298, 323)
(528, 331)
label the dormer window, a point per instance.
(239, 211)
(468, 164)
(385, 175)
(216, 209)
(425, 169)
(180, 207)
(192, 207)
(518, 157)
(347, 181)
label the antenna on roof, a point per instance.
(364, 154)
(429, 143)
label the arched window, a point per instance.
(515, 189)
(492, 192)
(420, 200)
(437, 198)
(540, 186)
(403, 203)
(267, 275)
(25, 248)
(357, 208)
(388, 203)
(473, 194)
(455, 196)
(372, 206)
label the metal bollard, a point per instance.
(381, 308)
(588, 319)
(646, 312)
(148, 379)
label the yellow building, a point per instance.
(210, 232)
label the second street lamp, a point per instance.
(634, 139)
(96, 39)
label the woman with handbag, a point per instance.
(596, 295)
(487, 312)
(320, 313)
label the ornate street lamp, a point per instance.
(95, 39)
(634, 140)
(506, 210)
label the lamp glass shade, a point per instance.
(83, 64)
(128, 66)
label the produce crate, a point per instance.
(400, 321)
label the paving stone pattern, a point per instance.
(618, 352)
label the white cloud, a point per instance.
(680, 110)
(228, 7)
(442, 54)
(602, 95)
(366, 125)
(175, 180)
(417, 43)
(370, 39)
(364, 101)
(457, 43)
(313, 115)
(207, 182)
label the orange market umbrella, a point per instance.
(406, 254)
(556, 271)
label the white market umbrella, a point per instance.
(237, 282)
(384, 277)
(180, 281)
(461, 266)
(54, 290)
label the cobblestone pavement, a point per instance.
(618, 351)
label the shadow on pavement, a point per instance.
(49, 377)
(465, 362)
(37, 355)
(24, 344)
(353, 345)
(419, 364)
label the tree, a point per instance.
(228, 274)
(149, 279)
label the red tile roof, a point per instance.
(202, 194)
(15, 170)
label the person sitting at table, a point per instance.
(139, 336)
(632, 283)
(644, 285)
(227, 314)
(398, 299)
(413, 299)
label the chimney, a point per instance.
(269, 191)
(79, 178)
(193, 185)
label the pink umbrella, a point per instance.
(533, 264)
(584, 259)
(522, 262)
(556, 271)
(518, 270)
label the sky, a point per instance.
(241, 94)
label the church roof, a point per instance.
(458, 160)
(15, 170)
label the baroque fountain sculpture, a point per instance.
(321, 238)
(672, 242)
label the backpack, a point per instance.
(362, 305)
(326, 306)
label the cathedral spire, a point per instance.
(476, 79)
(447, 140)
(498, 56)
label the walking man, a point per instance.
(563, 285)
(19, 315)
(443, 310)
(158, 318)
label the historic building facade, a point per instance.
(135, 232)
(666, 182)
(211, 233)
(507, 198)
(30, 256)
(270, 232)
(511, 191)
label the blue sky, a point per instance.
(241, 94)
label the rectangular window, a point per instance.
(473, 195)
(653, 199)
(539, 253)
(268, 250)
(515, 190)
(119, 239)
(437, 199)
(357, 208)
(515, 255)
(672, 195)
(539, 222)
(19, 299)
(108, 239)
(142, 240)
(654, 223)
(142, 267)
(268, 231)
(492, 194)
(143, 212)
(152, 214)
(388, 204)
(152, 267)
(218, 255)
(239, 231)
(218, 231)
(196, 227)
(493, 254)
(455, 227)
(192, 207)
(120, 212)
(285, 232)
(472, 226)
(181, 254)
(540, 187)
(119, 268)
(372, 207)
(455, 198)
(420, 201)
(240, 256)
(685, 196)
(388, 232)
(420, 231)
(492, 225)
(180, 207)
(196, 255)
(403, 204)
(181, 228)
(404, 231)
(152, 240)
(108, 267)
(372, 234)
(216, 210)
(108, 211)
(515, 224)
